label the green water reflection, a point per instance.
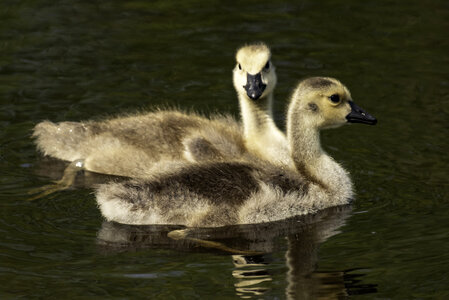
(73, 60)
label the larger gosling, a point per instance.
(254, 80)
(135, 145)
(225, 193)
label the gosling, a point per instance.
(213, 194)
(136, 145)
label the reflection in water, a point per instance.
(252, 273)
(302, 257)
(306, 283)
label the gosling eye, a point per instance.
(240, 67)
(335, 98)
(267, 66)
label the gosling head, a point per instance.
(327, 103)
(254, 75)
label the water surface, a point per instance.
(76, 60)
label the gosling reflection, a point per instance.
(253, 274)
(303, 280)
(250, 275)
(302, 257)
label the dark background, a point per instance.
(75, 60)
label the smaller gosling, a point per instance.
(213, 194)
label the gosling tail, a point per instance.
(60, 140)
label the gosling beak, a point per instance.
(254, 86)
(358, 115)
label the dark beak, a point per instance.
(358, 115)
(254, 86)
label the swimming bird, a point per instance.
(254, 80)
(134, 145)
(213, 194)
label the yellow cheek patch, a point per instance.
(335, 114)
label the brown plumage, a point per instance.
(136, 145)
(251, 190)
(132, 145)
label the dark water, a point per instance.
(73, 60)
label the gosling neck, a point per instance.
(312, 161)
(257, 115)
(305, 146)
(304, 139)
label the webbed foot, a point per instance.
(64, 183)
(182, 234)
